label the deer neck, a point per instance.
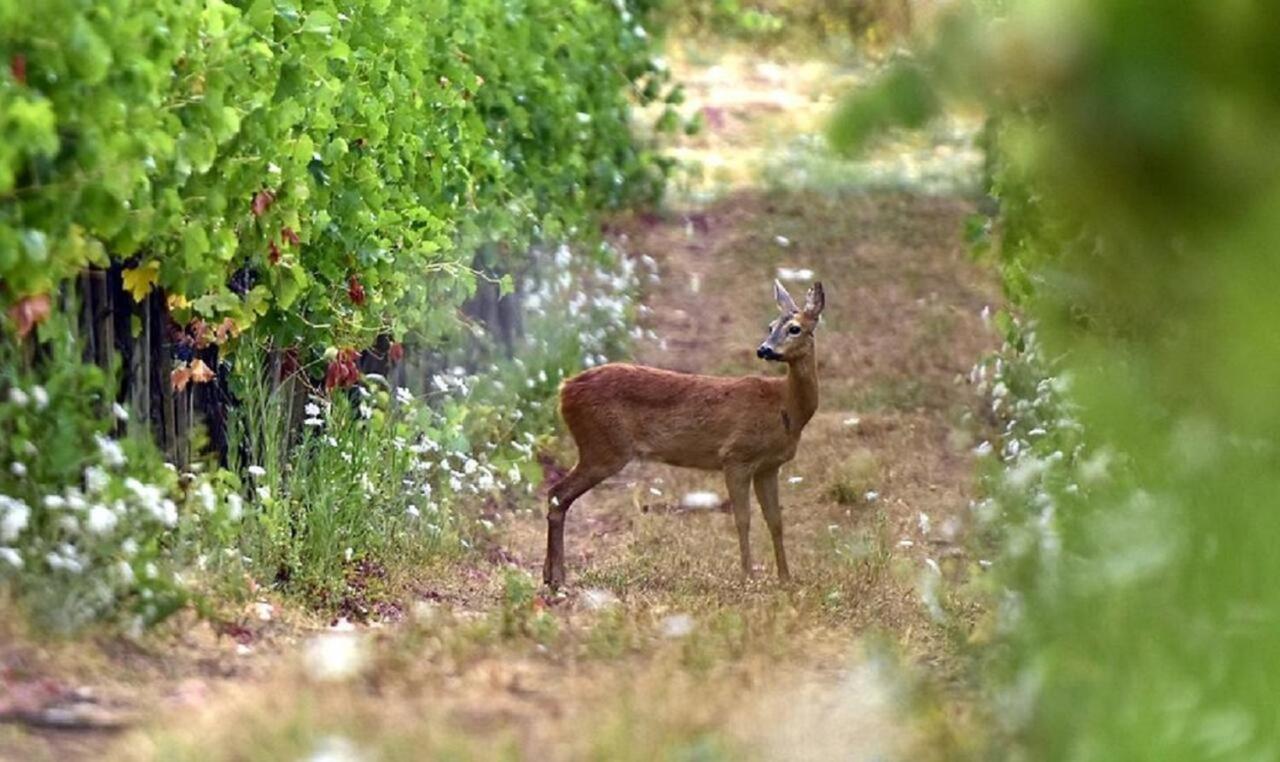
(801, 398)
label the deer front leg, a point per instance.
(767, 493)
(738, 480)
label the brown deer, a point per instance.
(746, 427)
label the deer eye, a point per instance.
(794, 330)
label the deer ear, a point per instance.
(815, 300)
(785, 302)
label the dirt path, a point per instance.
(659, 650)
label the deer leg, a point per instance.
(582, 478)
(767, 493)
(739, 484)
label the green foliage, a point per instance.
(1133, 502)
(264, 156)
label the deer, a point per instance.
(746, 427)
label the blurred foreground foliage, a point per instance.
(1134, 493)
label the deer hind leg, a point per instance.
(738, 481)
(582, 478)
(767, 493)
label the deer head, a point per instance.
(790, 336)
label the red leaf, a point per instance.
(18, 67)
(262, 201)
(290, 236)
(273, 253)
(355, 291)
(200, 333)
(396, 352)
(180, 377)
(201, 373)
(29, 312)
(226, 330)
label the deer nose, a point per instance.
(765, 352)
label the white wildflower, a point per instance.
(168, 513)
(54, 502)
(40, 396)
(257, 471)
(11, 557)
(102, 520)
(313, 422)
(124, 570)
(19, 397)
(235, 506)
(110, 450)
(14, 516)
(95, 479)
(208, 498)
(19, 469)
(470, 466)
(312, 410)
(119, 411)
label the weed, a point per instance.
(854, 477)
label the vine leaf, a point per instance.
(139, 281)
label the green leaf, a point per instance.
(319, 22)
(88, 54)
